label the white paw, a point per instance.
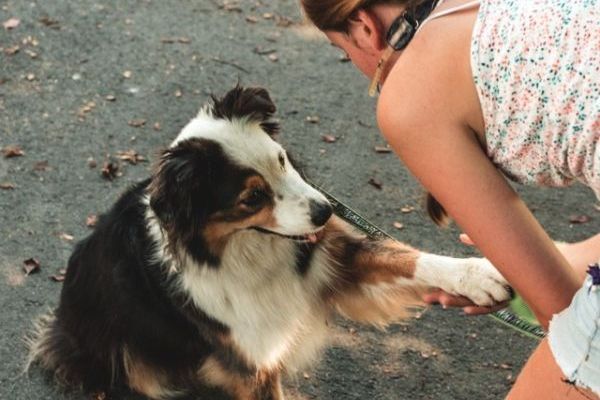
(478, 280)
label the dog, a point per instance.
(221, 271)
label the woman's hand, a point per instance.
(448, 300)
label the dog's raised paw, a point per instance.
(480, 281)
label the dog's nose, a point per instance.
(319, 212)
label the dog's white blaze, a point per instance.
(259, 295)
(249, 146)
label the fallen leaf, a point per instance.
(375, 183)
(183, 40)
(12, 151)
(60, 276)
(137, 123)
(305, 375)
(91, 220)
(66, 237)
(267, 15)
(156, 126)
(11, 50)
(30, 77)
(127, 74)
(263, 52)
(41, 166)
(328, 138)
(273, 57)
(31, 54)
(505, 366)
(31, 266)
(7, 186)
(231, 6)
(110, 97)
(91, 163)
(382, 149)
(49, 22)
(313, 119)
(11, 23)
(344, 58)
(407, 209)
(110, 170)
(86, 109)
(579, 219)
(178, 93)
(131, 156)
(284, 22)
(398, 225)
(252, 19)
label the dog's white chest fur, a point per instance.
(259, 295)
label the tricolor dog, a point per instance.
(222, 269)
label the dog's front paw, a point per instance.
(478, 280)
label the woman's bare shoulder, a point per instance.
(431, 83)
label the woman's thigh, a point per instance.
(541, 378)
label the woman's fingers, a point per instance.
(447, 300)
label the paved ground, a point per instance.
(85, 71)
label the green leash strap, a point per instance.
(507, 316)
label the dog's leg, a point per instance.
(260, 385)
(379, 279)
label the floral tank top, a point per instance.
(536, 66)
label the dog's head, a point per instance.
(225, 173)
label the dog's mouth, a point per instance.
(311, 238)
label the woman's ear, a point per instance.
(367, 31)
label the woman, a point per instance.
(486, 89)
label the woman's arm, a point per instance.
(450, 163)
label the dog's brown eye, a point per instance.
(255, 198)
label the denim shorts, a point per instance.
(574, 337)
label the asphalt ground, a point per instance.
(92, 78)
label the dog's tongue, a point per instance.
(312, 238)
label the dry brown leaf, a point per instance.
(91, 220)
(7, 186)
(313, 119)
(398, 225)
(31, 266)
(41, 166)
(12, 151)
(273, 57)
(252, 19)
(137, 123)
(375, 183)
(156, 126)
(66, 237)
(86, 109)
(60, 276)
(131, 156)
(110, 170)
(382, 149)
(49, 22)
(11, 50)
(407, 209)
(328, 138)
(11, 23)
(579, 219)
(110, 97)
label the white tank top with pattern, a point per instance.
(536, 66)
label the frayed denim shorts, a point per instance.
(574, 336)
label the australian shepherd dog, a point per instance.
(220, 272)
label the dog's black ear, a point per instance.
(252, 103)
(179, 181)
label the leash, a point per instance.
(506, 316)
